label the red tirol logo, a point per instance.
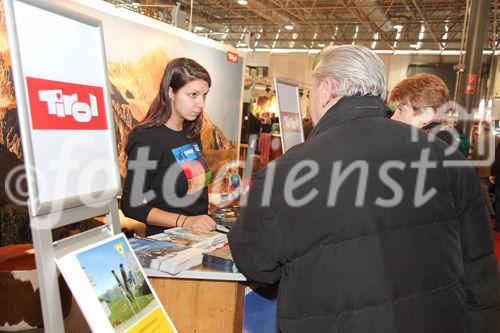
(65, 106)
(232, 57)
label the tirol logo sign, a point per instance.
(59, 105)
(232, 57)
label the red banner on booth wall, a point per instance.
(470, 89)
(471, 78)
(232, 57)
(59, 105)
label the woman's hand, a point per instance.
(199, 222)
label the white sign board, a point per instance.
(64, 107)
(292, 132)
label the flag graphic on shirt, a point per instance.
(194, 164)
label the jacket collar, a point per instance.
(430, 126)
(349, 108)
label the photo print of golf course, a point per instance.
(118, 283)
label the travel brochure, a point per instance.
(220, 259)
(165, 256)
(226, 217)
(112, 289)
(176, 249)
(194, 238)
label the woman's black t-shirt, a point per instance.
(165, 170)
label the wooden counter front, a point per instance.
(196, 306)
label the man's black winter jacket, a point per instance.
(372, 233)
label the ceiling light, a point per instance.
(374, 42)
(398, 27)
(421, 34)
(356, 33)
(289, 27)
(446, 29)
(242, 2)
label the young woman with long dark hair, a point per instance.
(167, 178)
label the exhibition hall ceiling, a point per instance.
(312, 24)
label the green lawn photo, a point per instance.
(121, 310)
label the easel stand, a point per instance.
(46, 251)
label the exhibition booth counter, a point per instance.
(201, 299)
